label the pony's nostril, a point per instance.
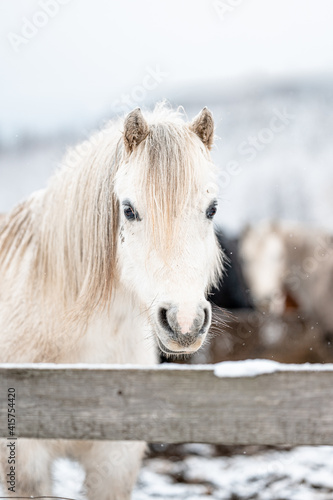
(206, 319)
(163, 319)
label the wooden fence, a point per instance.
(171, 404)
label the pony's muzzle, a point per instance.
(183, 333)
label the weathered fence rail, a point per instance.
(174, 403)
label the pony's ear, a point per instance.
(135, 129)
(203, 126)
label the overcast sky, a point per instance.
(85, 55)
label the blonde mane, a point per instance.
(71, 227)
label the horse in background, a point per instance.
(289, 265)
(110, 262)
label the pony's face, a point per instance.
(168, 253)
(262, 251)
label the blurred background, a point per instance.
(69, 66)
(265, 69)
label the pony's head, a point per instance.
(168, 255)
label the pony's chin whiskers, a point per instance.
(148, 308)
(179, 356)
(151, 344)
(149, 336)
(220, 322)
(221, 316)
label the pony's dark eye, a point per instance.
(211, 210)
(129, 213)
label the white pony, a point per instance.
(290, 264)
(114, 257)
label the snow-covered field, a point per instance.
(194, 472)
(299, 474)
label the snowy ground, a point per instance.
(194, 472)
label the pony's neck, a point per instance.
(119, 334)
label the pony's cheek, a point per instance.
(132, 263)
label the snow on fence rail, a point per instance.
(250, 402)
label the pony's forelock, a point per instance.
(172, 163)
